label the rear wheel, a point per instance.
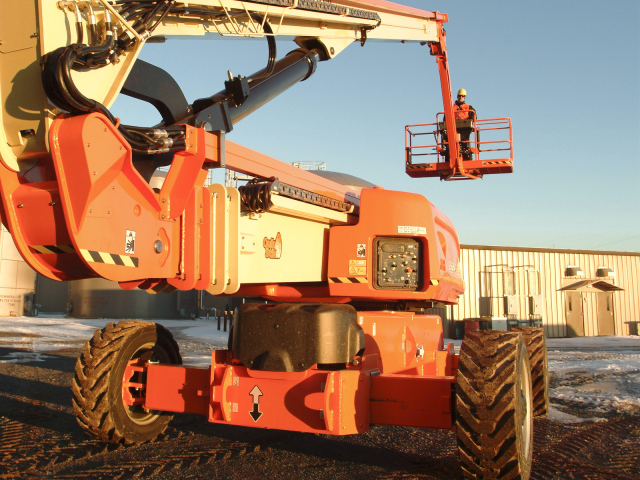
(536, 344)
(494, 406)
(101, 371)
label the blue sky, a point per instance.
(567, 73)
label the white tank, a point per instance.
(17, 279)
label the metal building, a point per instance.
(568, 292)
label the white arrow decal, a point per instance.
(256, 393)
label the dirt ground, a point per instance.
(39, 438)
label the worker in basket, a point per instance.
(465, 116)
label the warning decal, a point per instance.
(130, 242)
(357, 267)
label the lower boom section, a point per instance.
(341, 402)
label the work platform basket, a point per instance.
(485, 145)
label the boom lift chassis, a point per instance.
(345, 343)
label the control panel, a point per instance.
(397, 263)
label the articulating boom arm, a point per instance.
(106, 40)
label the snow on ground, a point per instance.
(602, 374)
(52, 332)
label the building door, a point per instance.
(604, 305)
(574, 314)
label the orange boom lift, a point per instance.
(344, 341)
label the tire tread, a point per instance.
(92, 378)
(536, 344)
(486, 405)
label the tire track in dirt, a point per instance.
(594, 450)
(27, 451)
(158, 466)
(141, 466)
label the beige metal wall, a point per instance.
(551, 263)
(17, 279)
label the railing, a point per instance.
(486, 146)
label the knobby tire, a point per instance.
(97, 384)
(493, 402)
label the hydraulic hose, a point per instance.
(271, 42)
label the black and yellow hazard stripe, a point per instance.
(420, 166)
(347, 279)
(53, 249)
(499, 162)
(109, 258)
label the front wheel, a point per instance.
(494, 412)
(102, 370)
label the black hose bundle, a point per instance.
(63, 93)
(146, 16)
(271, 42)
(255, 196)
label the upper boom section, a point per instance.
(337, 24)
(31, 30)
